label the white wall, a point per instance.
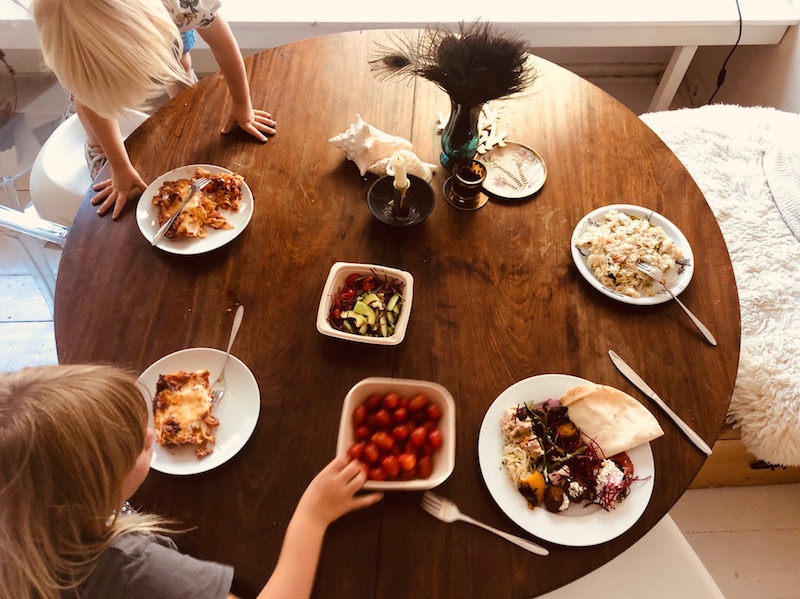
(756, 75)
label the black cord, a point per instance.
(723, 72)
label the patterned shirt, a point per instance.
(192, 14)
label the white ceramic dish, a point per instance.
(514, 171)
(335, 281)
(444, 460)
(237, 412)
(677, 279)
(147, 215)
(578, 526)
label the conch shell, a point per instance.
(414, 166)
(365, 145)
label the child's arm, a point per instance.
(226, 51)
(329, 496)
(125, 182)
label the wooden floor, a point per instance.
(747, 537)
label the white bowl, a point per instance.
(336, 277)
(444, 460)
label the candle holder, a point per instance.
(389, 205)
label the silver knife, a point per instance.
(634, 378)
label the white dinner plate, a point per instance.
(678, 279)
(237, 411)
(578, 526)
(147, 215)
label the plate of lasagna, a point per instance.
(214, 216)
(191, 436)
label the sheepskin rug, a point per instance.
(746, 162)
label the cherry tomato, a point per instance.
(424, 467)
(427, 449)
(435, 438)
(353, 279)
(362, 433)
(376, 474)
(408, 474)
(434, 412)
(390, 466)
(380, 420)
(400, 432)
(373, 403)
(400, 415)
(383, 440)
(417, 403)
(346, 297)
(359, 416)
(403, 402)
(390, 401)
(420, 417)
(418, 437)
(370, 453)
(624, 462)
(368, 284)
(355, 451)
(408, 461)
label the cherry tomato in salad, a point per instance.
(417, 403)
(624, 462)
(368, 284)
(359, 416)
(391, 401)
(390, 466)
(383, 440)
(353, 279)
(400, 415)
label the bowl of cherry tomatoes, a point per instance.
(402, 430)
(358, 303)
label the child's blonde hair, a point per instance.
(111, 54)
(69, 435)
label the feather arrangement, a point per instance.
(473, 66)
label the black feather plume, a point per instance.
(473, 66)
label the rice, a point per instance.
(614, 247)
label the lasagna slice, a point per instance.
(182, 411)
(223, 192)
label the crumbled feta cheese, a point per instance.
(609, 474)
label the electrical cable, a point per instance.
(723, 72)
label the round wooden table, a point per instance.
(497, 299)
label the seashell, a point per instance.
(414, 166)
(365, 145)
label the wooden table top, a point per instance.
(497, 299)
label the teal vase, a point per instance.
(460, 135)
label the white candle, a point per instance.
(399, 166)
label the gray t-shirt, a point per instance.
(151, 567)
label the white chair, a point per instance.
(661, 565)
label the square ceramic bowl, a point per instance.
(444, 460)
(336, 277)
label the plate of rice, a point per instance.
(608, 242)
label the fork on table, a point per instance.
(447, 511)
(195, 186)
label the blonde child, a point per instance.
(74, 445)
(114, 55)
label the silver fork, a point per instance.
(219, 386)
(656, 274)
(447, 511)
(196, 186)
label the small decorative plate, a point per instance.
(515, 171)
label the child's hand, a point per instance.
(116, 191)
(332, 493)
(255, 122)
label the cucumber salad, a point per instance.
(368, 305)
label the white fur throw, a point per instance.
(746, 162)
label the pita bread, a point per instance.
(614, 419)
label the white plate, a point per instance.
(336, 278)
(147, 215)
(514, 171)
(237, 411)
(677, 279)
(578, 526)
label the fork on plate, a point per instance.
(195, 186)
(220, 386)
(656, 274)
(447, 511)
